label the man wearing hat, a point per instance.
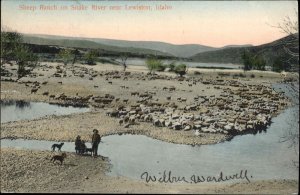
(95, 142)
(77, 144)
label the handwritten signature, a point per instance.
(167, 177)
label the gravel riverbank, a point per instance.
(32, 171)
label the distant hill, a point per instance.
(269, 52)
(183, 51)
(86, 44)
(194, 52)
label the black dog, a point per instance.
(89, 150)
(59, 158)
(57, 146)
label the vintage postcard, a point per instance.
(149, 96)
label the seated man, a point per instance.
(82, 147)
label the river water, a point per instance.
(142, 62)
(262, 155)
(21, 110)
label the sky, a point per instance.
(211, 23)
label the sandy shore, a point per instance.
(32, 171)
(66, 128)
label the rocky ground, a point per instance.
(206, 107)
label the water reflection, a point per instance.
(19, 110)
(19, 104)
(290, 136)
(22, 104)
(7, 102)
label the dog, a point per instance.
(89, 150)
(57, 146)
(59, 158)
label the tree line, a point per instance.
(252, 61)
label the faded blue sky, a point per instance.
(216, 23)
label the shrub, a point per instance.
(172, 67)
(181, 69)
(161, 68)
(90, 57)
(278, 65)
(154, 64)
(13, 49)
(66, 55)
(252, 61)
(25, 58)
